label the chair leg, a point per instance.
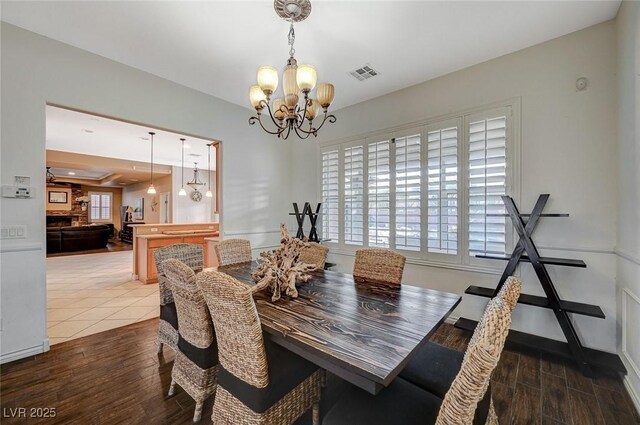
(323, 378)
(159, 347)
(197, 415)
(315, 413)
(492, 417)
(172, 388)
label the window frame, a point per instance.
(462, 260)
(101, 220)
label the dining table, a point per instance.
(364, 333)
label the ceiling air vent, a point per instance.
(364, 73)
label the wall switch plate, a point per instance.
(18, 231)
(23, 192)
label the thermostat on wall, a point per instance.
(18, 191)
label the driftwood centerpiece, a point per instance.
(280, 269)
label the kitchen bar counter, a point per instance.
(148, 237)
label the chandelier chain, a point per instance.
(292, 38)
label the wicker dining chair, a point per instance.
(510, 291)
(434, 367)
(194, 368)
(460, 404)
(233, 251)
(378, 265)
(259, 382)
(314, 254)
(190, 254)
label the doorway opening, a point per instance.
(98, 204)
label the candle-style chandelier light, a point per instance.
(285, 113)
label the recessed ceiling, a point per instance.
(215, 47)
(82, 133)
(77, 173)
(100, 171)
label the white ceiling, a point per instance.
(216, 46)
(82, 133)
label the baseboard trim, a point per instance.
(20, 247)
(258, 248)
(427, 263)
(451, 320)
(635, 397)
(249, 232)
(26, 352)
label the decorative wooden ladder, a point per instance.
(586, 358)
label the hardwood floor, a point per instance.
(117, 377)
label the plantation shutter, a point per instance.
(378, 185)
(354, 195)
(487, 169)
(442, 178)
(330, 210)
(407, 192)
(105, 207)
(94, 206)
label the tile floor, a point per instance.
(87, 294)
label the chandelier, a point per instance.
(195, 183)
(286, 113)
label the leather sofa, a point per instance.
(77, 238)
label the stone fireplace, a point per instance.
(59, 220)
(70, 217)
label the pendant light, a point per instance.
(182, 192)
(151, 190)
(209, 194)
(195, 183)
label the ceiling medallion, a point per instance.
(285, 113)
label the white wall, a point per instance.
(36, 70)
(185, 210)
(139, 190)
(628, 244)
(568, 141)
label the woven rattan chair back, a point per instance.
(482, 356)
(378, 265)
(232, 251)
(314, 254)
(194, 319)
(238, 331)
(510, 291)
(190, 254)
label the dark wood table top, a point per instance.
(364, 333)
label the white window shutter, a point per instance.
(354, 195)
(407, 192)
(378, 186)
(105, 207)
(442, 178)
(330, 195)
(94, 210)
(487, 168)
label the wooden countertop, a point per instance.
(134, 224)
(208, 235)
